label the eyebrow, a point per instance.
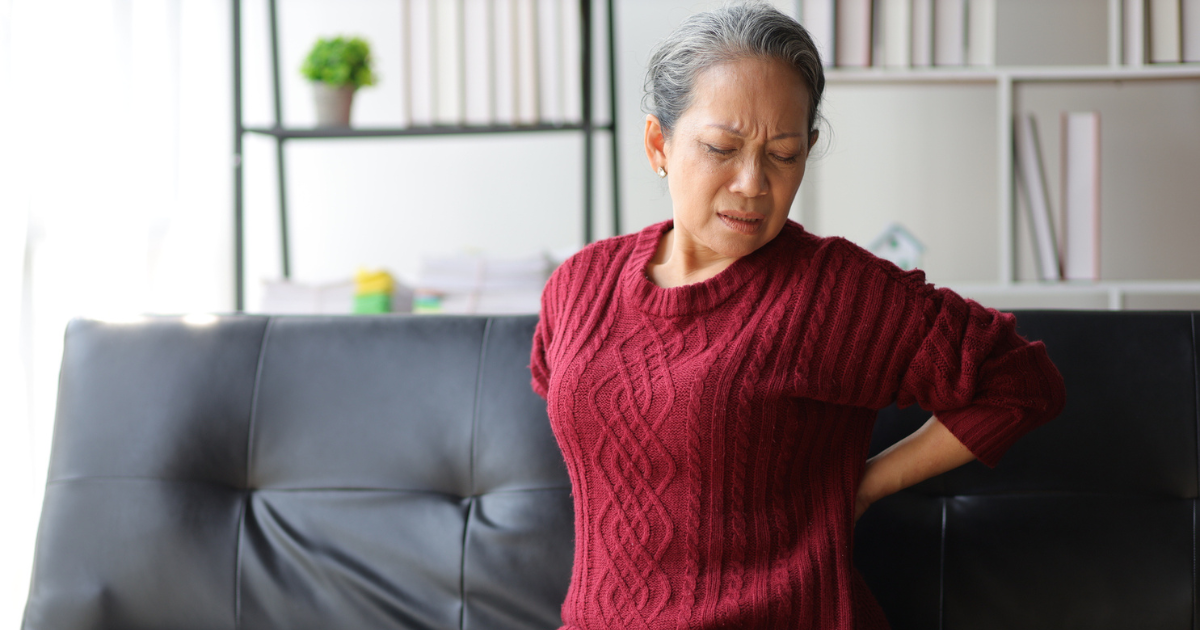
(734, 131)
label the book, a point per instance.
(285, 297)
(893, 32)
(1081, 195)
(949, 32)
(526, 36)
(1191, 30)
(817, 16)
(572, 68)
(504, 60)
(853, 38)
(421, 61)
(878, 36)
(1133, 32)
(1032, 180)
(549, 60)
(1165, 25)
(981, 33)
(449, 80)
(922, 33)
(479, 74)
(404, 71)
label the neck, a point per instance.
(680, 260)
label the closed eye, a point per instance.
(711, 149)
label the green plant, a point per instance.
(340, 61)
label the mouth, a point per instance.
(741, 222)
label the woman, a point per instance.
(713, 379)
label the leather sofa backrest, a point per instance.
(1088, 522)
(397, 472)
(373, 472)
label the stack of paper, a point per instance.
(286, 297)
(481, 284)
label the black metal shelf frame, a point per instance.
(587, 126)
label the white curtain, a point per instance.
(115, 200)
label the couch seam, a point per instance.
(1161, 496)
(487, 329)
(456, 497)
(462, 569)
(182, 481)
(942, 571)
(224, 486)
(262, 353)
(1128, 494)
(462, 573)
(237, 562)
(237, 576)
(1196, 390)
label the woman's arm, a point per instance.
(928, 451)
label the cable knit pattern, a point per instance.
(715, 433)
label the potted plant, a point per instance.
(337, 67)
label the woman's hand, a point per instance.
(929, 451)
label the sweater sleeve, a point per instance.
(538, 366)
(539, 362)
(987, 384)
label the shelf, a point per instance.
(1100, 286)
(583, 125)
(1113, 293)
(936, 145)
(300, 133)
(1023, 73)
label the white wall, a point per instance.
(885, 159)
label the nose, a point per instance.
(751, 178)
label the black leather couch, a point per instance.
(397, 472)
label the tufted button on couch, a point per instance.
(398, 472)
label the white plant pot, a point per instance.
(333, 104)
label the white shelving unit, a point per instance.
(841, 200)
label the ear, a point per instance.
(812, 138)
(656, 144)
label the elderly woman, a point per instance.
(713, 379)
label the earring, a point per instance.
(662, 172)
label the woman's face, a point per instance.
(736, 156)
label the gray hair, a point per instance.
(729, 33)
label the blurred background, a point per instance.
(117, 162)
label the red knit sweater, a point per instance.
(715, 433)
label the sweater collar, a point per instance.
(689, 298)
